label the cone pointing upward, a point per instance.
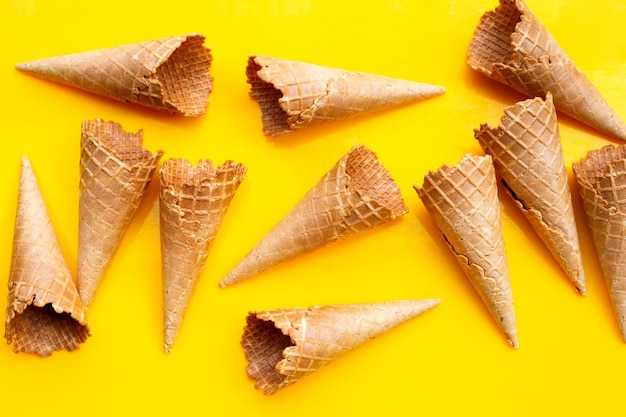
(44, 312)
(169, 74)
(601, 179)
(283, 346)
(193, 200)
(511, 46)
(356, 194)
(462, 200)
(115, 171)
(293, 95)
(527, 154)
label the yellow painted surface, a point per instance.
(451, 360)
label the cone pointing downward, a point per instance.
(527, 155)
(44, 312)
(169, 74)
(193, 201)
(115, 171)
(462, 200)
(293, 95)
(511, 46)
(356, 194)
(283, 346)
(601, 179)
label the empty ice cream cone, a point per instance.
(462, 200)
(293, 95)
(356, 194)
(513, 47)
(282, 346)
(601, 179)
(528, 156)
(193, 201)
(170, 74)
(44, 312)
(115, 171)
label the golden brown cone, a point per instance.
(169, 74)
(282, 346)
(294, 95)
(356, 194)
(115, 171)
(601, 179)
(462, 200)
(44, 312)
(528, 156)
(511, 46)
(193, 201)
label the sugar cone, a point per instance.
(528, 156)
(511, 46)
(115, 171)
(193, 200)
(356, 194)
(462, 200)
(44, 312)
(293, 95)
(601, 179)
(284, 345)
(169, 74)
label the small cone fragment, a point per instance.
(601, 179)
(511, 46)
(463, 201)
(169, 74)
(528, 156)
(44, 312)
(293, 95)
(115, 171)
(193, 201)
(355, 195)
(282, 346)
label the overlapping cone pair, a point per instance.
(513, 47)
(293, 95)
(357, 194)
(282, 346)
(169, 74)
(601, 179)
(44, 312)
(462, 199)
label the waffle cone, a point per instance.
(44, 312)
(193, 201)
(355, 195)
(601, 179)
(528, 156)
(115, 171)
(169, 74)
(282, 346)
(293, 95)
(511, 46)
(462, 200)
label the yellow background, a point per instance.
(451, 360)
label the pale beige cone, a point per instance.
(115, 171)
(463, 201)
(511, 46)
(282, 346)
(601, 179)
(44, 312)
(528, 157)
(169, 74)
(356, 194)
(293, 95)
(193, 201)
